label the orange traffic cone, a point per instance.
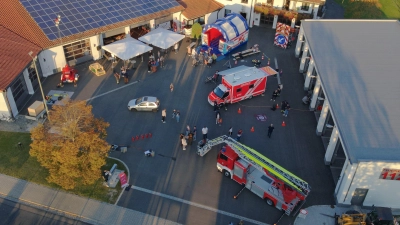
(252, 129)
(268, 62)
(283, 124)
(277, 106)
(239, 111)
(262, 57)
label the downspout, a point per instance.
(251, 12)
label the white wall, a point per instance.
(212, 17)
(299, 4)
(366, 175)
(51, 59)
(28, 82)
(237, 7)
(4, 111)
(12, 103)
(94, 42)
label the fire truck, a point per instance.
(69, 75)
(271, 182)
(240, 83)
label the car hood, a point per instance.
(132, 102)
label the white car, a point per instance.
(146, 103)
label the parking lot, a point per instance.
(180, 185)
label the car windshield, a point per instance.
(218, 92)
(139, 100)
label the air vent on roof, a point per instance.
(236, 78)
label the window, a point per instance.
(17, 89)
(245, 1)
(223, 157)
(189, 23)
(305, 6)
(239, 90)
(227, 11)
(77, 49)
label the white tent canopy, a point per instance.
(127, 48)
(162, 38)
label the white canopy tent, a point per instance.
(162, 38)
(127, 48)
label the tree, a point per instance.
(72, 145)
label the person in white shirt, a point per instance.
(204, 131)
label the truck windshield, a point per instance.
(218, 92)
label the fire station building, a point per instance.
(76, 36)
(351, 69)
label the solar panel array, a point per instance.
(81, 15)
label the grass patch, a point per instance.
(377, 9)
(15, 161)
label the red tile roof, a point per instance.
(14, 55)
(14, 17)
(198, 8)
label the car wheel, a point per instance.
(227, 174)
(133, 109)
(269, 201)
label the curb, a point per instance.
(127, 170)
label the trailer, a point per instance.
(271, 182)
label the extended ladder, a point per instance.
(259, 161)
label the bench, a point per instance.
(245, 53)
(189, 48)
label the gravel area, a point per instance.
(21, 124)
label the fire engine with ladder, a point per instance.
(277, 186)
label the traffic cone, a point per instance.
(277, 106)
(239, 111)
(146, 135)
(142, 136)
(150, 135)
(133, 139)
(283, 124)
(137, 137)
(252, 129)
(262, 57)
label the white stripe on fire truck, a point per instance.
(250, 92)
(198, 205)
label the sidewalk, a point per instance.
(320, 214)
(72, 206)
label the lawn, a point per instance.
(378, 9)
(15, 161)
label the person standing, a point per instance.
(194, 133)
(149, 64)
(171, 87)
(220, 121)
(270, 129)
(177, 116)
(163, 115)
(286, 112)
(215, 106)
(230, 131)
(162, 61)
(173, 114)
(283, 106)
(204, 131)
(210, 60)
(274, 95)
(159, 54)
(217, 116)
(184, 143)
(239, 135)
(117, 77)
(279, 90)
(190, 139)
(187, 130)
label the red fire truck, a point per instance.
(240, 83)
(69, 75)
(277, 186)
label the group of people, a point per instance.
(123, 73)
(276, 93)
(175, 115)
(188, 137)
(155, 62)
(205, 58)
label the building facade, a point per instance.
(353, 80)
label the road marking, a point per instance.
(198, 205)
(108, 92)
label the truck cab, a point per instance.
(220, 94)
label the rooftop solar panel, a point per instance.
(82, 15)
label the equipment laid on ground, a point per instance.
(69, 75)
(378, 216)
(122, 149)
(240, 83)
(277, 186)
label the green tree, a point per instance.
(72, 145)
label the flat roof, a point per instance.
(242, 74)
(358, 62)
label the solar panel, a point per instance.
(82, 15)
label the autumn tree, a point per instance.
(71, 145)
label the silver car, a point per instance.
(146, 103)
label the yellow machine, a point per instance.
(352, 219)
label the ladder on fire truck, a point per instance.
(257, 160)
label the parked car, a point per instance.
(146, 103)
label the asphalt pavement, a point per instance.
(189, 190)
